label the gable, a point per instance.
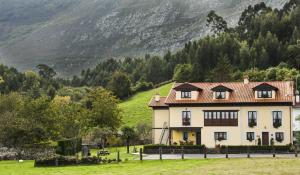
(266, 87)
(221, 88)
(187, 87)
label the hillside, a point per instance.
(71, 35)
(136, 108)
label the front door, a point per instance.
(265, 138)
(198, 138)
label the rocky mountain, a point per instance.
(74, 34)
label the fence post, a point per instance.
(248, 152)
(118, 156)
(205, 156)
(296, 151)
(182, 152)
(227, 152)
(56, 162)
(160, 153)
(141, 154)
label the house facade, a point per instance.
(234, 113)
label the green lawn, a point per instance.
(136, 108)
(123, 153)
(167, 167)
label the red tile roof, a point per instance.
(241, 93)
(161, 102)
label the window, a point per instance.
(185, 136)
(186, 118)
(220, 94)
(220, 118)
(220, 136)
(279, 136)
(277, 119)
(252, 118)
(250, 136)
(186, 94)
(264, 94)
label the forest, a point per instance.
(263, 38)
(265, 45)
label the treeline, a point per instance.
(263, 38)
(26, 120)
(29, 83)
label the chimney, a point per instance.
(246, 79)
(157, 97)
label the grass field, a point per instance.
(260, 166)
(136, 108)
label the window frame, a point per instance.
(220, 95)
(277, 117)
(250, 118)
(221, 118)
(260, 94)
(186, 118)
(186, 94)
(250, 136)
(279, 136)
(220, 136)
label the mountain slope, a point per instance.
(74, 34)
(136, 108)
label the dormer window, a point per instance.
(220, 95)
(264, 94)
(221, 92)
(265, 90)
(187, 91)
(186, 94)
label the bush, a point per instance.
(256, 149)
(90, 160)
(55, 160)
(69, 147)
(189, 149)
(58, 160)
(142, 86)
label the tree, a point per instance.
(155, 70)
(46, 71)
(183, 73)
(223, 71)
(71, 117)
(101, 135)
(128, 134)
(144, 131)
(103, 110)
(217, 23)
(120, 85)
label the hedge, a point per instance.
(69, 147)
(58, 160)
(199, 149)
(256, 149)
(188, 149)
(55, 161)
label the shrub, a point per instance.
(90, 160)
(192, 149)
(58, 160)
(255, 149)
(55, 160)
(259, 142)
(69, 147)
(142, 86)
